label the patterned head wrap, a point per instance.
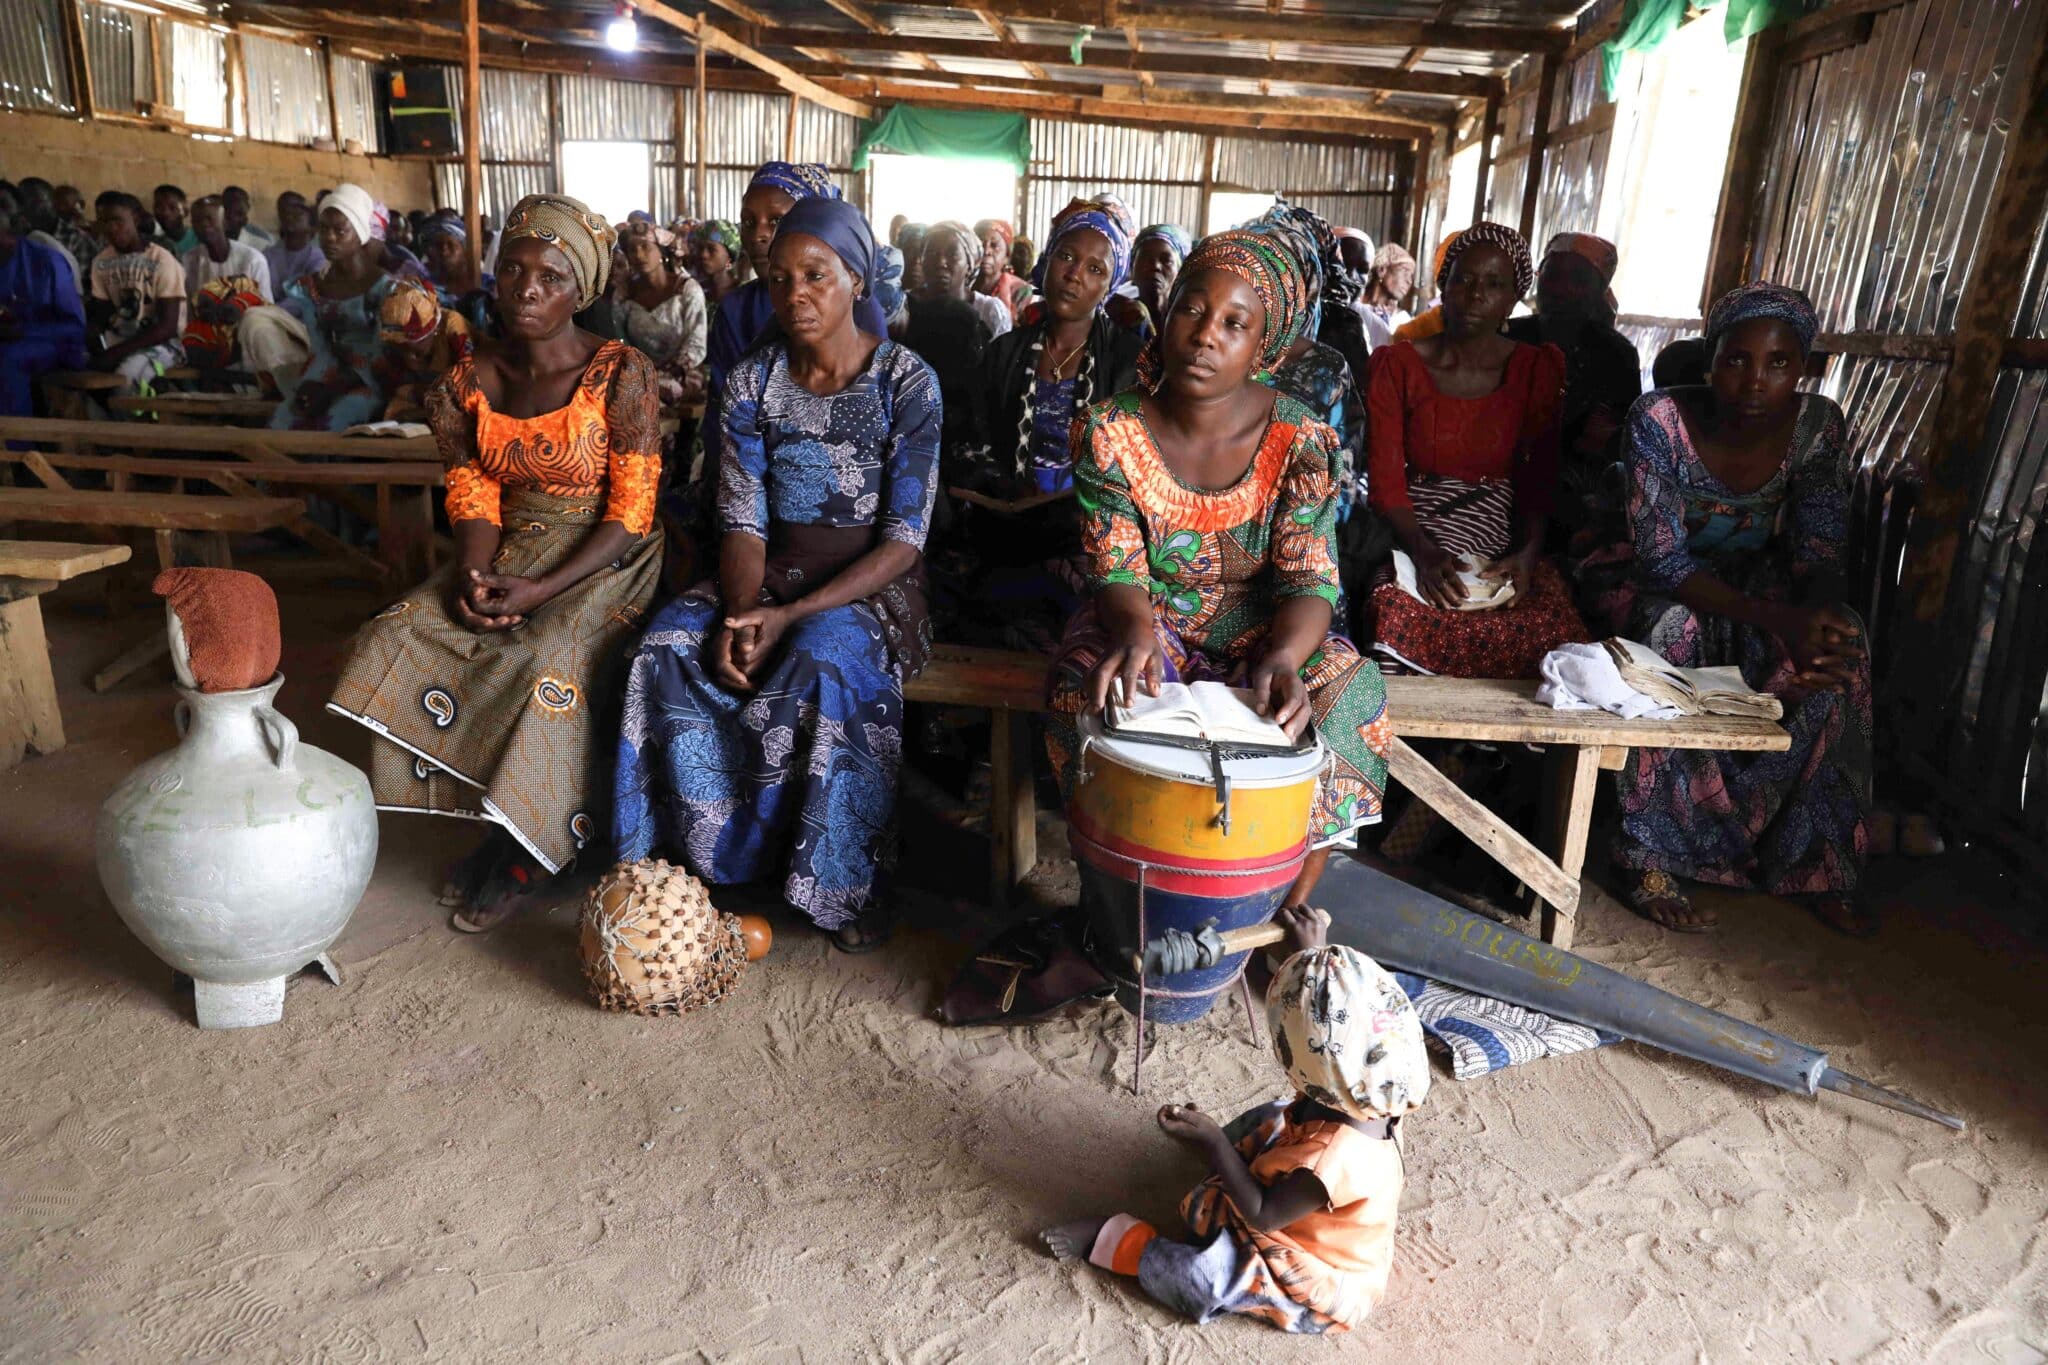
(441, 227)
(410, 313)
(217, 310)
(1332, 282)
(1175, 237)
(1347, 1035)
(1106, 214)
(1494, 235)
(798, 180)
(723, 231)
(1260, 259)
(843, 228)
(888, 282)
(1747, 302)
(1390, 255)
(1000, 229)
(1439, 258)
(567, 224)
(1598, 252)
(354, 203)
(970, 245)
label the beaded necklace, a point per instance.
(1084, 391)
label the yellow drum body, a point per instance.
(1156, 852)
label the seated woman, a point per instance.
(952, 256)
(423, 342)
(1020, 572)
(1319, 374)
(484, 683)
(337, 310)
(1208, 515)
(992, 275)
(1389, 285)
(451, 266)
(949, 327)
(764, 710)
(1156, 256)
(1463, 466)
(662, 313)
(1739, 504)
(715, 258)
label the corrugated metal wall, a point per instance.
(1074, 160)
(117, 49)
(287, 91)
(195, 63)
(355, 99)
(33, 71)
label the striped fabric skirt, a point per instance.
(506, 726)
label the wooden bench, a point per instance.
(165, 514)
(29, 719)
(1582, 744)
(185, 408)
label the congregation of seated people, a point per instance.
(717, 486)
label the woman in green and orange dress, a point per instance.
(1208, 520)
(486, 684)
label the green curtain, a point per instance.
(962, 134)
(1646, 24)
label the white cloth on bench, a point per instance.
(1584, 678)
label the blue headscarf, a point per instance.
(798, 180)
(1106, 214)
(843, 228)
(1747, 302)
(1173, 234)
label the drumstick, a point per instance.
(1233, 941)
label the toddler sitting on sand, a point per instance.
(1296, 1226)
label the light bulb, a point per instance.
(623, 33)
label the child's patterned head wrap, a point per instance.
(1347, 1034)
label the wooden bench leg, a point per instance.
(1501, 841)
(29, 722)
(157, 645)
(1013, 805)
(1575, 778)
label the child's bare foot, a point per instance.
(1072, 1241)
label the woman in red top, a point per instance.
(1463, 464)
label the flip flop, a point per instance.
(1658, 888)
(503, 894)
(875, 930)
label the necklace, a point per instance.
(1084, 390)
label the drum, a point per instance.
(1172, 838)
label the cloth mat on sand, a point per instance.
(1484, 1034)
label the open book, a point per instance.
(1695, 691)
(1206, 711)
(1481, 594)
(409, 429)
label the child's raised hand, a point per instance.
(1185, 1123)
(1307, 928)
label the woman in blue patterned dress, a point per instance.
(1738, 504)
(763, 718)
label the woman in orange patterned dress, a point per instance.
(487, 682)
(1208, 517)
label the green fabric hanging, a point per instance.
(1647, 24)
(961, 134)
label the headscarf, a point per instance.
(1334, 284)
(1389, 256)
(888, 282)
(1260, 259)
(723, 231)
(354, 203)
(1495, 235)
(586, 239)
(1747, 302)
(1347, 1034)
(440, 227)
(1000, 229)
(798, 180)
(411, 312)
(1440, 257)
(844, 229)
(1106, 214)
(1598, 252)
(1173, 234)
(963, 234)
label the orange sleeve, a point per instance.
(451, 411)
(633, 414)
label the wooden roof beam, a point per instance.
(1338, 74)
(717, 41)
(1001, 30)
(1177, 17)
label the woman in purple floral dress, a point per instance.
(1738, 508)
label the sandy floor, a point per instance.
(453, 1156)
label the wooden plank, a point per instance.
(999, 679)
(1504, 710)
(1174, 17)
(1013, 805)
(222, 440)
(704, 34)
(1575, 775)
(701, 206)
(29, 720)
(56, 559)
(472, 129)
(197, 405)
(1734, 219)
(1489, 128)
(378, 472)
(75, 56)
(1885, 344)
(1496, 837)
(1539, 143)
(314, 534)
(158, 511)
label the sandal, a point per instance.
(869, 932)
(1846, 915)
(1656, 897)
(1023, 973)
(504, 893)
(462, 878)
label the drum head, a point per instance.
(1177, 764)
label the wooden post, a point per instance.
(333, 108)
(74, 50)
(238, 87)
(555, 131)
(1489, 129)
(1208, 183)
(702, 208)
(1539, 143)
(682, 186)
(1735, 220)
(1407, 221)
(789, 132)
(472, 130)
(1961, 452)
